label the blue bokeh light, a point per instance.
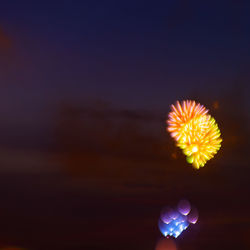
(173, 222)
(175, 227)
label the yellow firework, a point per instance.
(199, 144)
(196, 133)
(181, 114)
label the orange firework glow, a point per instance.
(181, 115)
(195, 132)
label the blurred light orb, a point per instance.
(164, 228)
(174, 215)
(193, 216)
(175, 227)
(165, 244)
(184, 207)
(173, 222)
(166, 215)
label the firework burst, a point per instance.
(181, 115)
(195, 132)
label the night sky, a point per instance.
(86, 86)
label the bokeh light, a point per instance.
(184, 207)
(173, 222)
(175, 227)
(166, 215)
(193, 216)
(165, 244)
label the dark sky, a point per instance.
(85, 90)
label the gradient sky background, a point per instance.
(85, 90)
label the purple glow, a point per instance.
(174, 228)
(193, 216)
(165, 215)
(184, 207)
(174, 215)
(173, 222)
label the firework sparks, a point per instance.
(181, 115)
(195, 132)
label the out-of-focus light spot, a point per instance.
(165, 244)
(174, 222)
(174, 215)
(184, 207)
(174, 227)
(164, 228)
(165, 215)
(193, 216)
